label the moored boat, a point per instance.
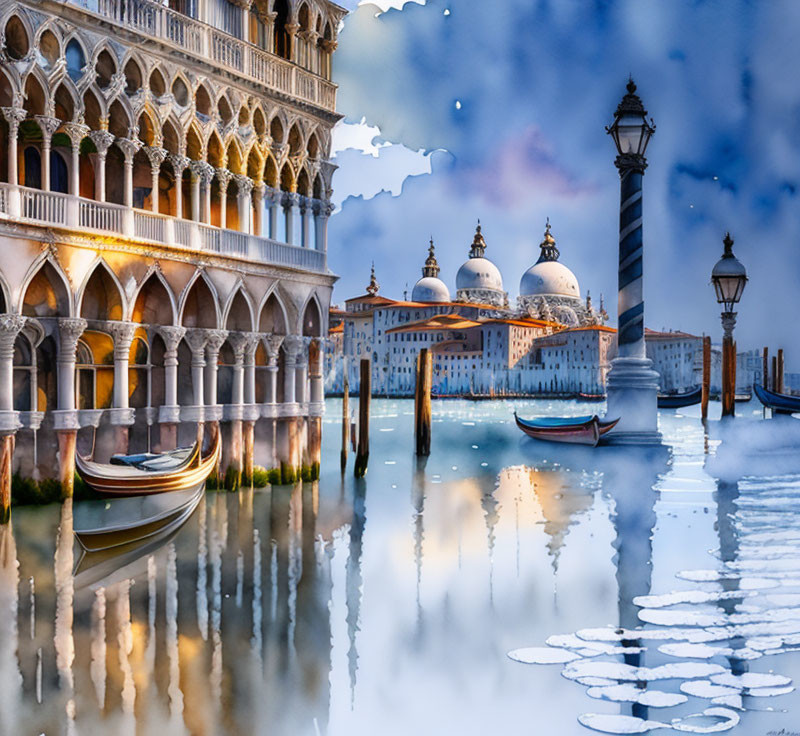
(591, 397)
(586, 430)
(779, 403)
(153, 475)
(676, 401)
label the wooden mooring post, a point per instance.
(345, 418)
(706, 377)
(779, 373)
(364, 395)
(774, 385)
(422, 403)
(765, 369)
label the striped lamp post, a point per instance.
(632, 384)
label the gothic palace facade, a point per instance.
(164, 197)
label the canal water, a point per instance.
(501, 586)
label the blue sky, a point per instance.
(458, 110)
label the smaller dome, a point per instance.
(479, 273)
(430, 289)
(548, 277)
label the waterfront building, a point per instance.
(677, 357)
(164, 196)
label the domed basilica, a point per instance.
(548, 289)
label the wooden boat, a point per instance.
(174, 473)
(100, 525)
(591, 397)
(574, 430)
(779, 403)
(676, 401)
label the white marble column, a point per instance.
(272, 197)
(253, 339)
(172, 337)
(301, 371)
(273, 346)
(123, 333)
(215, 340)
(305, 222)
(238, 341)
(76, 132)
(156, 156)
(179, 164)
(10, 326)
(224, 176)
(292, 344)
(244, 202)
(48, 125)
(129, 148)
(316, 383)
(69, 331)
(102, 140)
(288, 202)
(196, 340)
(258, 208)
(14, 116)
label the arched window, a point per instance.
(32, 160)
(282, 41)
(59, 176)
(76, 60)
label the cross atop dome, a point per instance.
(548, 246)
(374, 286)
(431, 267)
(478, 244)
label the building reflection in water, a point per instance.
(354, 580)
(10, 675)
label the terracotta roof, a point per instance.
(437, 322)
(336, 312)
(656, 335)
(525, 322)
(597, 328)
(370, 299)
(336, 329)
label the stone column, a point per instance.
(123, 333)
(238, 341)
(10, 326)
(69, 331)
(156, 156)
(243, 200)
(169, 414)
(253, 339)
(196, 340)
(102, 140)
(301, 370)
(76, 132)
(215, 340)
(48, 126)
(291, 31)
(258, 208)
(129, 148)
(14, 116)
(273, 197)
(305, 222)
(202, 174)
(273, 346)
(316, 379)
(196, 168)
(232, 451)
(224, 177)
(288, 201)
(179, 164)
(293, 345)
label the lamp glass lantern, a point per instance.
(631, 130)
(729, 277)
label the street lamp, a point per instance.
(632, 384)
(729, 278)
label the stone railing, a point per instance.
(210, 44)
(54, 208)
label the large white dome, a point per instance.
(430, 289)
(549, 278)
(479, 273)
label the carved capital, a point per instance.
(179, 163)
(14, 116)
(214, 341)
(245, 184)
(10, 326)
(129, 147)
(293, 345)
(259, 189)
(48, 125)
(156, 155)
(291, 28)
(69, 331)
(238, 341)
(289, 200)
(203, 170)
(172, 337)
(253, 340)
(102, 140)
(123, 333)
(196, 339)
(76, 132)
(224, 176)
(273, 345)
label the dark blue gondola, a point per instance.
(676, 401)
(780, 403)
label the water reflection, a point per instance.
(388, 604)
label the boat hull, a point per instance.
(781, 403)
(677, 401)
(585, 431)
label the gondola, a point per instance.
(591, 397)
(677, 401)
(168, 472)
(587, 430)
(779, 403)
(102, 525)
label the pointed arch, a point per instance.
(270, 175)
(195, 149)
(49, 45)
(238, 313)
(120, 119)
(318, 191)
(148, 128)
(312, 323)
(276, 129)
(105, 67)
(170, 135)
(202, 102)
(154, 302)
(303, 182)
(157, 83)
(5, 295)
(46, 290)
(36, 99)
(65, 101)
(180, 90)
(8, 89)
(93, 109)
(295, 139)
(17, 35)
(199, 303)
(225, 109)
(313, 148)
(101, 295)
(259, 120)
(287, 182)
(255, 164)
(272, 315)
(75, 55)
(214, 150)
(233, 156)
(134, 78)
